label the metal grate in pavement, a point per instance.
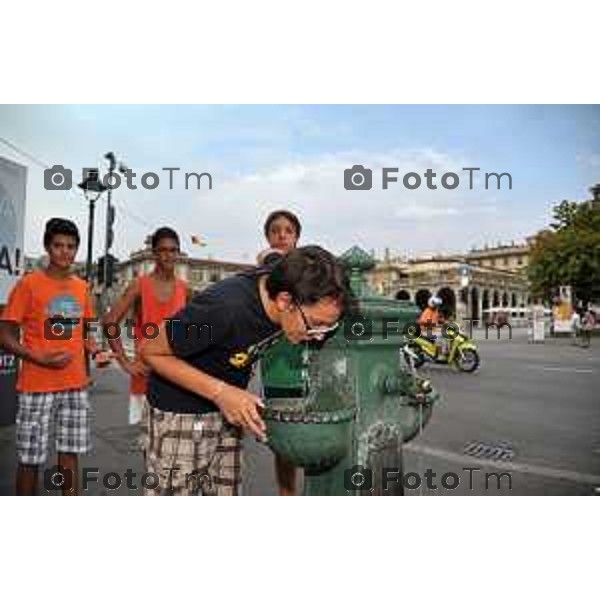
(490, 450)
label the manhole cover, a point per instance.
(490, 450)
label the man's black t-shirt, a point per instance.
(221, 332)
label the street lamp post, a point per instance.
(112, 164)
(92, 189)
(108, 267)
(90, 247)
(110, 218)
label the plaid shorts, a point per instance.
(193, 454)
(67, 414)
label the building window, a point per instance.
(506, 261)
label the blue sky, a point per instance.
(265, 157)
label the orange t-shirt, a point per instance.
(152, 310)
(430, 314)
(34, 300)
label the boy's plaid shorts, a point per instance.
(67, 414)
(193, 454)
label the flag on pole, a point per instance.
(197, 241)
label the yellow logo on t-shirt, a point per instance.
(240, 360)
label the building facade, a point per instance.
(475, 286)
(513, 258)
(198, 272)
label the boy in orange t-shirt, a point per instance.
(50, 307)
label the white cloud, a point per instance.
(591, 161)
(264, 175)
(231, 215)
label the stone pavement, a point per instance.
(116, 448)
(540, 399)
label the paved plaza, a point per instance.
(532, 411)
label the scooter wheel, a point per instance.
(468, 361)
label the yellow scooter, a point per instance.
(462, 352)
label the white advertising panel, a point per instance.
(13, 182)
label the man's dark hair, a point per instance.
(58, 226)
(164, 233)
(286, 214)
(309, 274)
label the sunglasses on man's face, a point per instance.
(319, 331)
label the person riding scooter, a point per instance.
(431, 318)
(455, 349)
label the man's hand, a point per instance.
(135, 368)
(102, 359)
(241, 408)
(52, 359)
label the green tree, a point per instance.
(569, 253)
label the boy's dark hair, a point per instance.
(164, 233)
(286, 214)
(309, 274)
(58, 226)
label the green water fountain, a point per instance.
(350, 400)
